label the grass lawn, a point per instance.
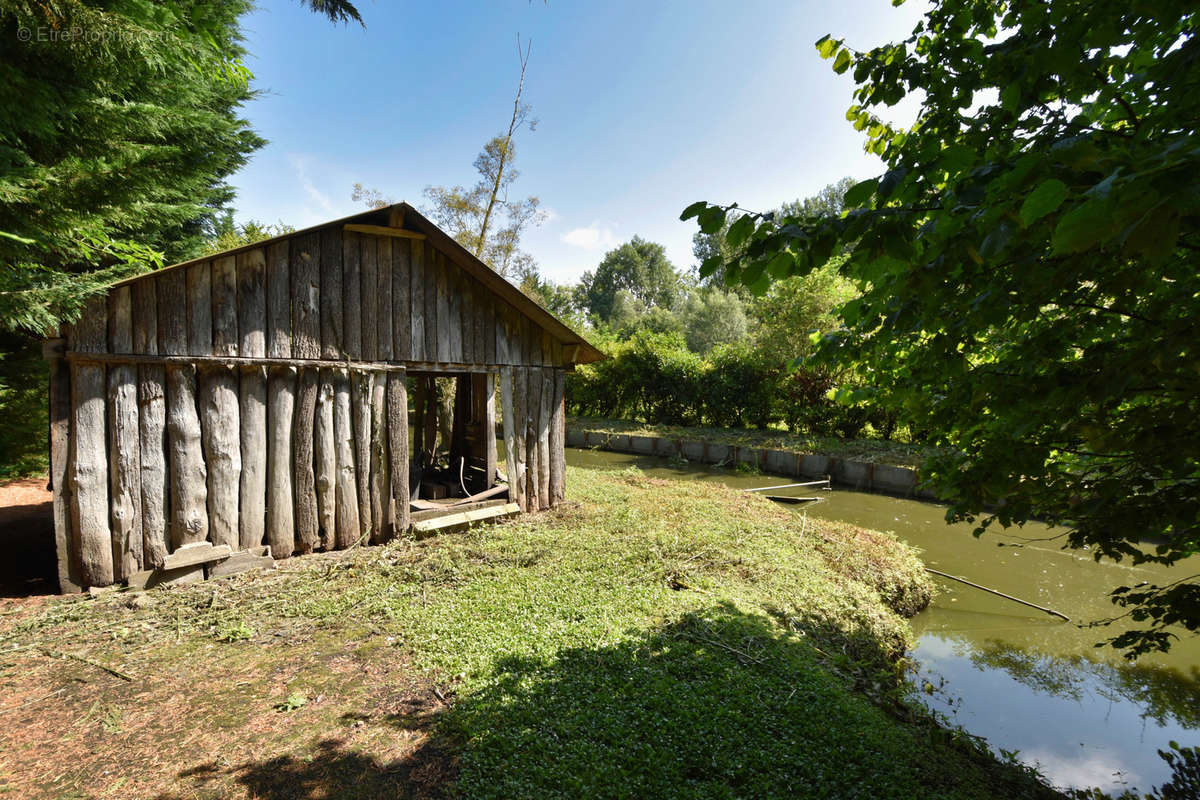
(651, 638)
(875, 451)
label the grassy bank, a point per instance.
(652, 638)
(875, 451)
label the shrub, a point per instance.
(739, 388)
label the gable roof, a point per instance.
(585, 352)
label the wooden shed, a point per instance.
(261, 396)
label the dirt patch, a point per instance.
(285, 714)
(27, 539)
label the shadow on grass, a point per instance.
(716, 704)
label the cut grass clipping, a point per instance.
(652, 638)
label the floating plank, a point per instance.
(348, 519)
(332, 315)
(279, 300)
(281, 399)
(401, 301)
(397, 425)
(308, 535)
(368, 306)
(188, 474)
(447, 521)
(252, 516)
(124, 459)
(224, 306)
(352, 294)
(325, 455)
(306, 298)
(382, 230)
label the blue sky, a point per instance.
(643, 108)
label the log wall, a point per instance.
(157, 442)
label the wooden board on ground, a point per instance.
(448, 521)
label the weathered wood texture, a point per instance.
(397, 429)
(306, 296)
(307, 525)
(225, 307)
(360, 395)
(279, 300)
(188, 474)
(325, 456)
(281, 399)
(254, 435)
(346, 485)
(69, 579)
(369, 301)
(332, 310)
(382, 508)
(221, 440)
(512, 462)
(546, 377)
(558, 439)
(352, 294)
(124, 460)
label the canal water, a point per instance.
(1023, 680)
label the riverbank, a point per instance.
(652, 638)
(764, 451)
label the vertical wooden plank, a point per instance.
(332, 317)
(199, 309)
(252, 303)
(124, 461)
(69, 579)
(444, 322)
(306, 296)
(152, 426)
(369, 301)
(325, 456)
(460, 292)
(220, 428)
(397, 426)
(360, 397)
(308, 535)
(401, 300)
(480, 325)
(88, 453)
(383, 293)
(255, 438)
(544, 414)
(547, 349)
(533, 400)
(172, 312)
(501, 317)
(431, 304)
(558, 440)
(488, 333)
(418, 434)
(225, 306)
(279, 300)
(348, 522)
(188, 475)
(382, 508)
(512, 463)
(416, 266)
(489, 428)
(352, 294)
(281, 529)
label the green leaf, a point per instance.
(858, 194)
(827, 46)
(16, 238)
(739, 231)
(780, 266)
(842, 62)
(1081, 228)
(711, 219)
(710, 265)
(693, 210)
(1043, 200)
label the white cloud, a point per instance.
(596, 236)
(300, 166)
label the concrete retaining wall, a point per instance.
(860, 475)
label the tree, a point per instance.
(714, 246)
(227, 234)
(795, 308)
(638, 267)
(713, 317)
(1029, 271)
(483, 219)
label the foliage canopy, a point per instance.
(1028, 269)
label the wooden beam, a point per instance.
(465, 518)
(383, 230)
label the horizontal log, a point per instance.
(383, 230)
(197, 553)
(76, 357)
